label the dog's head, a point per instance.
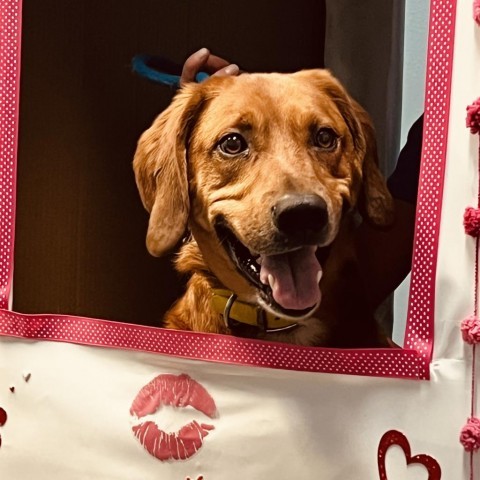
(261, 168)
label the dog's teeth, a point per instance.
(259, 260)
(271, 281)
(319, 276)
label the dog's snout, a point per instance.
(301, 218)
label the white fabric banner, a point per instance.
(73, 418)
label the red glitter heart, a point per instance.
(393, 437)
(3, 420)
(3, 417)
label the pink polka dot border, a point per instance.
(411, 362)
(10, 38)
(210, 347)
(420, 318)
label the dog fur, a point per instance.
(189, 184)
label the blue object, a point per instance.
(161, 70)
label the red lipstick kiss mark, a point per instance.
(393, 437)
(177, 391)
(3, 420)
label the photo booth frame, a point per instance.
(412, 361)
(73, 389)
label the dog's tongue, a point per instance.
(293, 277)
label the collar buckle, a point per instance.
(226, 312)
(262, 323)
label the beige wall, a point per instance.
(364, 48)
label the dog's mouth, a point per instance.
(287, 283)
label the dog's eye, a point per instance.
(232, 144)
(326, 138)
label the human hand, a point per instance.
(203, 60)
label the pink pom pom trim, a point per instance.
(476, 11)
(473, 116)
(471, 221)
(470, 329)
(470, 435)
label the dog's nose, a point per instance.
(302, 218)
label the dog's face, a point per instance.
(261, 168)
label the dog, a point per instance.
(269, 175)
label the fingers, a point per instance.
(229, 70)
(203, 60)
(214, 63)
(193, 65)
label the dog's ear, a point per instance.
(160, 166)
(375, 202)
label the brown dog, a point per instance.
(267, 172)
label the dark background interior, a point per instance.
(80, 230)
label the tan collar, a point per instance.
(225, 302)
